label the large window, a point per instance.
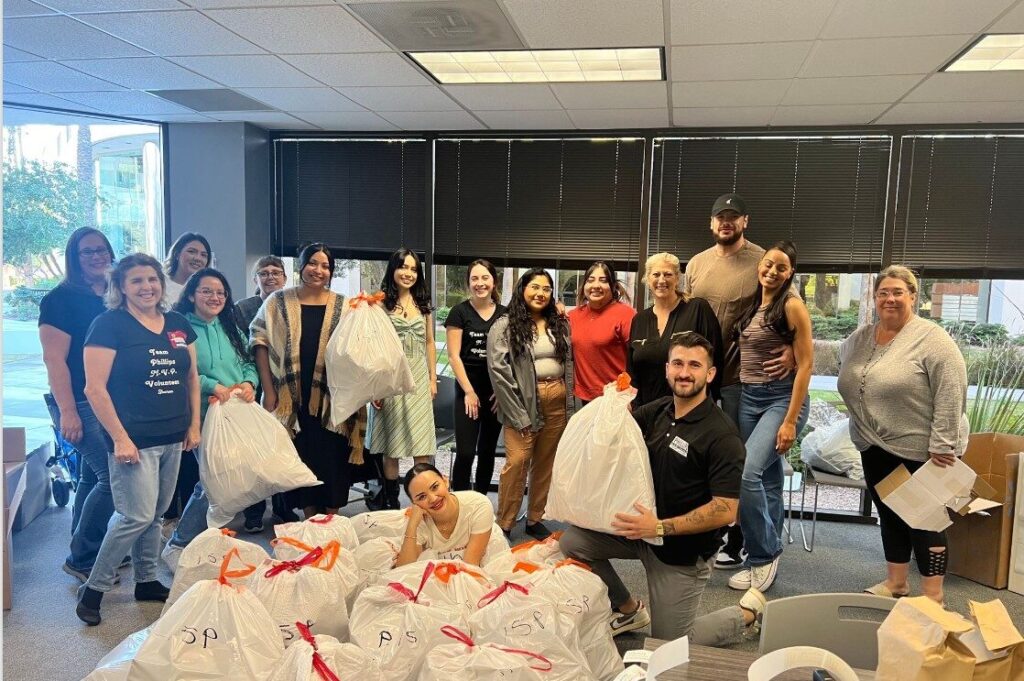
(61, 172)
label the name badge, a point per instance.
(679, 446)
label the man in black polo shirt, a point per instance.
(696, 461)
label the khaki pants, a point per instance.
(536, 450)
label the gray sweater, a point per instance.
(914, 395)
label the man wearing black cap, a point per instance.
(725, 275)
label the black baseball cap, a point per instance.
(729, 202)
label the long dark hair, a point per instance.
(171, 264)
(521, 329)
(420, 292)
(306, 254)
(486, 264)
(618, 290)
(775, 315)
(72, 263)
(226, 316)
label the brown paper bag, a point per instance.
(996, 644)
(917, 642)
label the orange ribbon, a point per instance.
(226, 574)
(445, 571)
(622, 382)
(573, 561)
(371, 299)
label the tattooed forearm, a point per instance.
(718, 512)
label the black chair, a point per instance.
(444, 416)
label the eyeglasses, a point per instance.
(270, 274)
(543, 289)
(93, 252)
(895, 294)
(210, 293)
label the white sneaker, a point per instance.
(741, 580)
(171, 555)
(637, 619)
(754, 601)
(763, 576)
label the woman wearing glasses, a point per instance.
(529, 358)
(224, 365)
(269, 275)
(904, 383)
(65, 314)
(652, 330)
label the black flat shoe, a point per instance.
(538, 531)
(151, 591)
(88, 608)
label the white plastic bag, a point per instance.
(365, 360)
(513, 616)
(375, 558)
(317, 658)
(452, 583)
(581, 596)
(390, 524)
(469, 661)
(544, 553)
(343, 565)
(215, 632)
(202, 559)
(830, 449)
(601, 465)
(399, 627)
(246, 456)
(114, 665)
(304, 590)
(318, 531)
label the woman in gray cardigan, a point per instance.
(529, 359)
(904, 382)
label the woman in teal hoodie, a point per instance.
(224, 366)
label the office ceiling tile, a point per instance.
(588, 23)
(286, 30)
(181, 118)
(723, 117)
(13, 55)
(371, 69)
(214, 4)
(24, 8)
(142, 73)
(412, 98)
(1001, 86)
(48, 76)
(361, 121)
(270, 120)
(172, 33)
(248, 71)
(1012, 21)
(302, 98)
(851, 90)
(432, 120)
(842, 114)
(61, 37)
(708, 22)
(882, 18)
(729, 93)
(748, 61)
(882, 56)
(87, 6)
(526, 120)
(619, 118)
(126, 102)
(612, 95)
(44, 100)
(913, 113)
(505, 97)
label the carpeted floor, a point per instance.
(43, 640)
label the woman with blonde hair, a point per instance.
(653, 329)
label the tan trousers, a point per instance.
(536, 451)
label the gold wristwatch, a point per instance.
(659, 529)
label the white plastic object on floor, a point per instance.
(202, 558)
(316, 530)
(114, 665)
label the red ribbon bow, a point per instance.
(407, 592)
(463, 637)
(319, 665)
(489, 598)
(294, 565)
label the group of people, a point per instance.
(131, 379)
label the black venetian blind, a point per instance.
(826, 194)
(364, 199)
(960, 210)
(549, 203)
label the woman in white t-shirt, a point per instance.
(454, 525)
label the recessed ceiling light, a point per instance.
(544, 66)
(999, 52)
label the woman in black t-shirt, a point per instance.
(476, 423)
(141, 381)
(65, 314)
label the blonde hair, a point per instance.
(115, 298)
(673, 261)
(904, 274)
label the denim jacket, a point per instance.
(515, 381)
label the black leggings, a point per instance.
(475, 437)
(898, 538)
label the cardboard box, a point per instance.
(979, 546)
(14, 489)
(921, 499)
(14, 445)
(38, 487)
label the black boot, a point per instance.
(151, 591)
(391, 495)
(88, 609)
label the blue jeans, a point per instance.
(763, 408)
(94, 503)
(142, 492)
(193, 518)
